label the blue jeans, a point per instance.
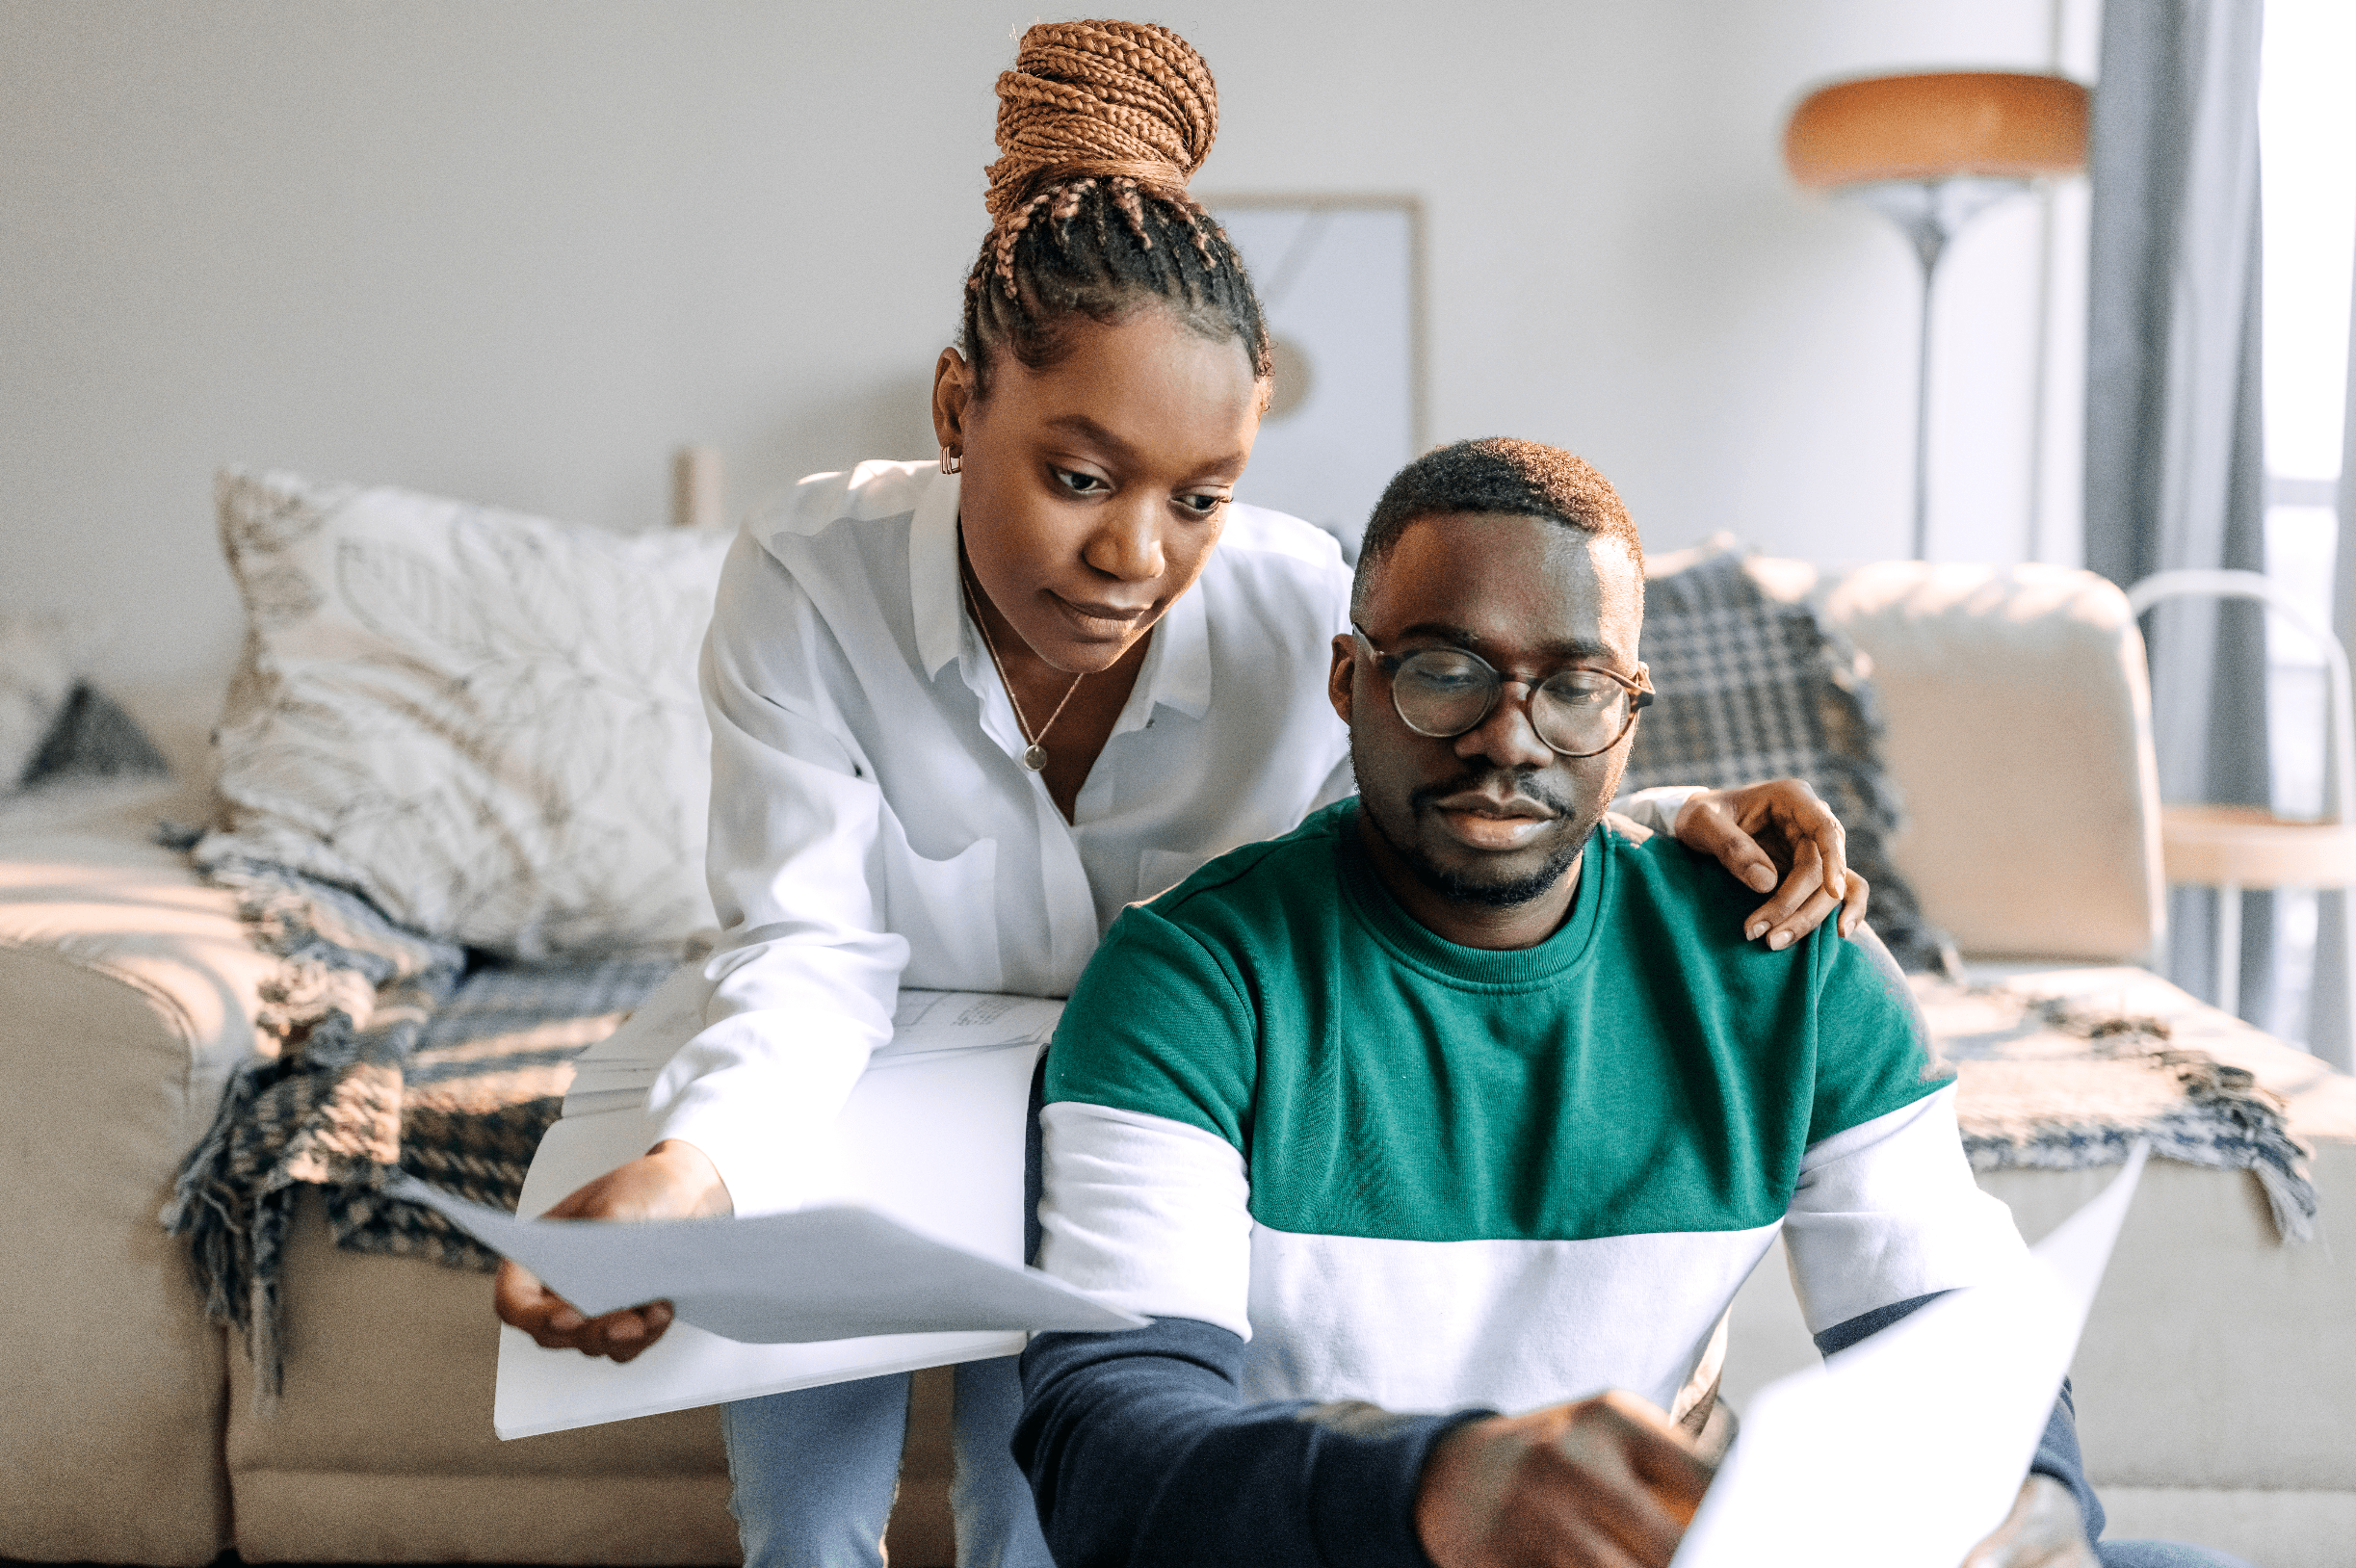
(2162, 1555)
(813, 1471)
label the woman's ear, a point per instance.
(952, 391)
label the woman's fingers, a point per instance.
(1824, 830)
(1799, 905)
(1706, 822)
(1852, 905)
(628, 1334)
(555, 1323)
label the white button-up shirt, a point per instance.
(873, 824)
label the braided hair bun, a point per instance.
(1100, 126)
(1113, 100)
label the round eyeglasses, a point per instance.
(1444, 691)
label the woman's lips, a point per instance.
(1102, 620)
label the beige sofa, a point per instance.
(2216, 1381)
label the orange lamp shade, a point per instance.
(1937, 126)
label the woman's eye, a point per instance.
(1202, 506)
(1079, 483)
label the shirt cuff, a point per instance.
(1657, 808)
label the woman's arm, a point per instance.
(1759, 833)
(803, 983)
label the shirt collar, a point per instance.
(934, 589)
(1177, 672)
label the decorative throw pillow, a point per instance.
(37, 678)
(93, 737)
(1754, 685)
(485, 723)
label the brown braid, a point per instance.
(1102, 118)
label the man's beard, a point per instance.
(1452, 885)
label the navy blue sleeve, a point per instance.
(1142, 1454)
(2057, 1452)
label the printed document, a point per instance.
(1907, 1450)
(926, 1172)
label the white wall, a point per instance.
(516, 252)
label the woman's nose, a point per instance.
(1127, 546)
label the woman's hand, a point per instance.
(672, 1181)
(1606, 1483)
(1779, 830)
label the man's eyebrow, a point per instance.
(1563, 647)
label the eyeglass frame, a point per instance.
(1639, 689)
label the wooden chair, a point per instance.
(2234, 849)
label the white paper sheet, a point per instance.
(1907, 1450)
(932, 1139)
(837, 1271)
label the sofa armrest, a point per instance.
(127, 997)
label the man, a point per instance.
(1448, 1102)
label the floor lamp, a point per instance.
(1931, 152)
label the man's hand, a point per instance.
(2044, 1530)
(1606, 1482)
(1784, 830)
(672, 1181)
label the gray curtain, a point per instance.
(2175, 454)
(2330, 1001)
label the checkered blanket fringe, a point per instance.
(389, 1057)
(1752, 686)
(2130, 1084)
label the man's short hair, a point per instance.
(1497, 474)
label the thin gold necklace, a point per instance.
(1034, 754)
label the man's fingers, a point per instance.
(1640, 1479)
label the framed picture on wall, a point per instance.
(1340, 281)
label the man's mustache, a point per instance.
(1518, 786)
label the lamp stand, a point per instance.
(1931, 212)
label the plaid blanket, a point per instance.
(390, 1057)
(2056, 1083)
(1751, 687)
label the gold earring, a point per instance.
(951, 461)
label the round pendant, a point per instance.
(1036, 758)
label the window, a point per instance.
(2307, 138)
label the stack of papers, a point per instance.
(915, 1258)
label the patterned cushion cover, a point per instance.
(1754, 685)
(487, 723)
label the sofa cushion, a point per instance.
(485, 723)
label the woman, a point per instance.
(961, 716)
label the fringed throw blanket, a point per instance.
(2068, 1083)
(390, 1057)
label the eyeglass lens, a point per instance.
(1443, 692)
